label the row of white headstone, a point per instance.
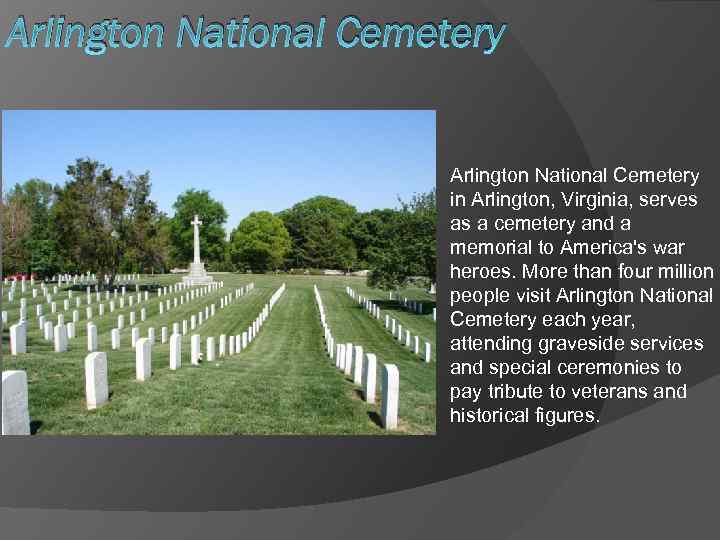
(412, 342)
(415, 305)
(194, 322)
(15, 412)
(61, 332)
(53, 306)
(362, 367)
(45, 291)
(11, 284)
(68, 278)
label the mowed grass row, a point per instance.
(283, 383)
(419, 325)
(350, 323)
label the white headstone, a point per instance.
(175, 351)
(18, 340)
(340, 357)
(428, 350)
(143, 359)
(60, 338)
(221, 345)
(358, 366)
(370, 377)
(390, 396)
(48, 331)
(70, 330)
(115, 339)
(91, 337)
(134, 336)
(348, 358)
(96, 380)
(195, 349)
(15, 413)
(163, 334)
(210, 349)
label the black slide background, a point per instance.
(572, 84)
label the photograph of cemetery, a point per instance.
(218, 272)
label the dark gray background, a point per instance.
(573, 83)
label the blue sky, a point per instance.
(249, 160)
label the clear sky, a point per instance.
(249, 160)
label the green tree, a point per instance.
(44, 258)
(38, 197)
(106, 223)
(326, 244)
(422, 248)
(305, 219)
(408, 246)
(148, 242)
(38, 247)
(369, 230)
(260, 242)
(16, 227)
(91, 224)
(212, 235)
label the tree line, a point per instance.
(109, 224)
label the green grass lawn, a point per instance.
(419, 325)
(283, 383)
(350, 322)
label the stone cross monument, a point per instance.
(197, 274)
(196, 239)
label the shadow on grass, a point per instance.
(35, 426)
(387, 304)
(375, 418)
(427, 306)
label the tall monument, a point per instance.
(197, 274)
